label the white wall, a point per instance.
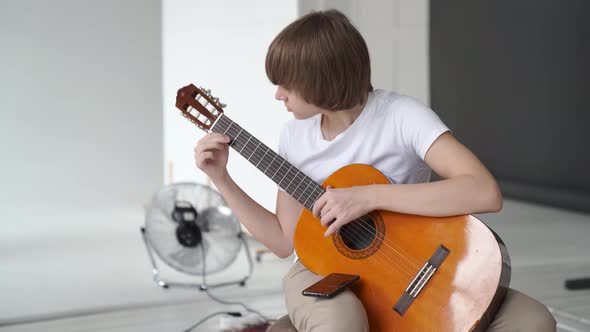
(222, 45)
(80, 147)
(81, 103)
(396, 32)
(81, 139)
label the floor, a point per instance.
(547, 246)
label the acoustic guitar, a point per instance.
(416, 273)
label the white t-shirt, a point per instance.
(392, 133)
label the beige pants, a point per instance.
(518, 313)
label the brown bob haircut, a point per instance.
(324, 59)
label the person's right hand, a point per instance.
(211, 154)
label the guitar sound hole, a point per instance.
(358, 234)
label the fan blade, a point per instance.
(219, 228)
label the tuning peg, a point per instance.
(222, 105)
(208, 92)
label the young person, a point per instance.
(320, 64)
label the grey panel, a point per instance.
(511, 78)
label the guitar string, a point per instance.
(409, 274)
(365, 222)
(393, 265)
(313, 191)
(362, 222)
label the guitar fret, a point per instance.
(316, 195)
(295, 191)
(284, 176)
(226, 129)
(245, 145)
(292, 178)
(236, 138)
(266, 160)
(298, 197)
(273, 159)
(304, 192)
(315, 200)
(272, 177)
(308, 183)
(310, 195)
(262, 158)
(254, 150)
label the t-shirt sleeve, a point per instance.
(418, 125)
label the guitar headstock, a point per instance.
(197, 105)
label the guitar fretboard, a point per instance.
(280, 171)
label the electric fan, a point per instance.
(191, 229)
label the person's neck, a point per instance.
(335, 122)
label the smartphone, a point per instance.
(331, 285)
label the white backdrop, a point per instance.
(81, 151)
(396, 32)
(82, 94)
(222, 45)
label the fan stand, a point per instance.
(203, 286)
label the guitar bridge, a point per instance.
(421, 279)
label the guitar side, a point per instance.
(471, 280)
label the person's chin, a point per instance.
(301, 116)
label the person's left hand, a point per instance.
(339, 206)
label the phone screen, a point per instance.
(331, 285)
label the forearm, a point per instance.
(459, 195)
(260, 222)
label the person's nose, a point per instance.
(280, 94)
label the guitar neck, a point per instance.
(280, 171)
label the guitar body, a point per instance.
(416, 273)
(471, 280)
